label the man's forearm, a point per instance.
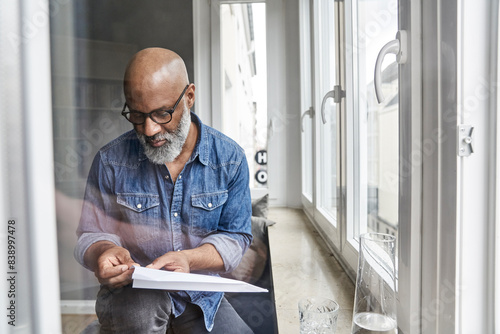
(204, 258)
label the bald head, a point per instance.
(154, 70)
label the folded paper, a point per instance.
(147, 278)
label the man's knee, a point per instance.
(133, 310)
(228, 320)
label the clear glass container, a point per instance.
(375, 296)
(318, 315)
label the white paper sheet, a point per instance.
(147, 278)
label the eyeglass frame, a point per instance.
(146, 115)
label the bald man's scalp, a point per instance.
(154, 68)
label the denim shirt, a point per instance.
(134, 204)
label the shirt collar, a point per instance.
(201, 148)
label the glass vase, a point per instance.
(375, 296)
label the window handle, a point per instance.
(271, 127)
(398, 47)
(330, 94)
(336, 94)
(309, 112)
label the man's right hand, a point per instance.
(112, 265)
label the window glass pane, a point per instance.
(326, 79)
(91, 44)
(244, 83)
(377, 124)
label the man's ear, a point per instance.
(190, 95)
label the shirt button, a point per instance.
(175, 214)
(139, 206)
(180, 177)
(167, 177)
(210, 205)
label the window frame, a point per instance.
(28, 197)
(410, 189)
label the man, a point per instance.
(171, 194)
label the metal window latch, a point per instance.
(465, 140)
(336, 94)
(309, 112)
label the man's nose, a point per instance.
(150, 127)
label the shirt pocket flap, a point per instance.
(209, 201)
(138, 202)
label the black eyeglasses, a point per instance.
(162, 116)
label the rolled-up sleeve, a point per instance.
(96, 221)
(231, 247)
(234, 233)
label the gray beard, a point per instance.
(174, 142)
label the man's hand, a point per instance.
(172, 261)
(112, 265)
(203, 258)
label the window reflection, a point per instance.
(244, 83)
(91, 43)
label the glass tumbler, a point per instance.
(318, 315)
(375, 295)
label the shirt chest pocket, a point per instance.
(205, 212)
(140, 214)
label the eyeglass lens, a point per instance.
(159, 116)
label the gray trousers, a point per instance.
(128, 310)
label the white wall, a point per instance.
(283, 102)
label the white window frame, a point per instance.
(496, 178)
(328, 225)
(477, 77)
(31, 202)
(202, 60)
(306, 105)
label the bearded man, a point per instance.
(171, 194)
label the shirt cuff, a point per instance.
(230, 247)
(87, 239)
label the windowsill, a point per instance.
(303, 266)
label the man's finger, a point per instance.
(125, 258)
(116, 281)
(154, 265)
(112, 271)
(158, 263)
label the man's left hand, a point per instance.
(172, 261)
(202, 258)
